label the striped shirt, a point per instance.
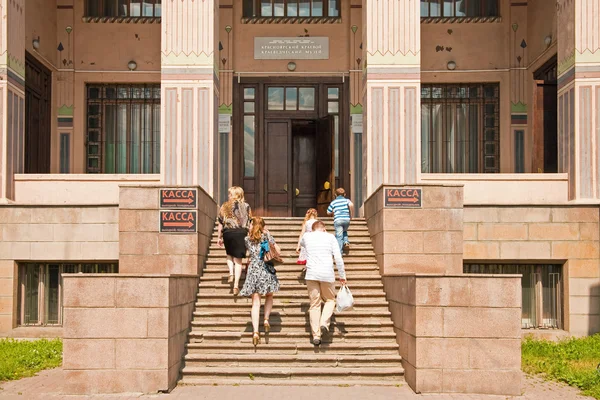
(321, 248)
(340, 209)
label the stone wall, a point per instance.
(566, 235)
(424, 240)
(51, 233)
(125, 333)
(144, 250)
(458, 334)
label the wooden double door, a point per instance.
(290, 144)
(299, 166)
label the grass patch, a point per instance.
(25, 358)
(573, 361)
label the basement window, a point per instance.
(542, 297)
(40, 290)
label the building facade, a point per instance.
(291, 99)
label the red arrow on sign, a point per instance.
(176, 224)
(405, 200)
(188, 200)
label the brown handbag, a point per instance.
(273, 256)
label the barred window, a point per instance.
(459, 8)
(460, 128)
(291, 8)
(123, 8)
(123, 129)
(541, 286)
(40, 290)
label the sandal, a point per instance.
(267, 326)
(230, 279)
(236, 291)
(255, 339)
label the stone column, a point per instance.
(12, 94)
(189, 93)
(579, 96)
(391, 95)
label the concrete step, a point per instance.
(290, 314)
(213, 276)
(246, 381)
(290, 246)
(380, 347)
(287, 280)
(254, 373)
(350, 263)
(297, 325)
(362, 234)
(290, 360)
(293, 256)
(288, 239)
(293, 337)
(282, 297)
(291, 286)
(285, 305)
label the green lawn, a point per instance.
(19, 359)
(573, 361)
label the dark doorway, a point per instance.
(304, 174)
(545, 109)
(38, 84)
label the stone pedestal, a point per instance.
(458, 334)
(425, 239)
(144, 250)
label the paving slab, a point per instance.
(48, 385)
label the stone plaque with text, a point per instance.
(173, 221)
(403, 197)
(291, 48)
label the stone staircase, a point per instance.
(361, 345)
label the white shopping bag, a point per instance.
(344, 300)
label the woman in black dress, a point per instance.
(234, 220)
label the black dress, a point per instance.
(235, 218)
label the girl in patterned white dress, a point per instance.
(261, 278)
(309, 219)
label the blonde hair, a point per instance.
(237, 194)
(310, 214)
(340, 192)
(257, 230)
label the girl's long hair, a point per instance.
(311, 213)
(257, 230)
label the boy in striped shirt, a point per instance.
(342, 209)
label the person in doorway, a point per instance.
(261, 278)
(321, 248)
(309, 220)
(234, 220)
(342, 209)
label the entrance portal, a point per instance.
(290, 143)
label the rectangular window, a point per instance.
(40, 290)
(541, 285)
(123, 129)
(460, 128)
(250, 129)
(123, 8)
(333, 108)
(519, 151)
(291, 8)
(65, 152)
(459, 8)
